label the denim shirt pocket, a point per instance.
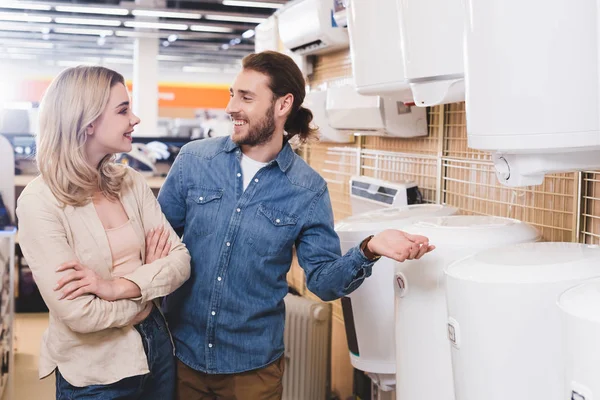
(202, 209)
(272, 229)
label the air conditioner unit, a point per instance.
(315, 102)
(266, 35)
(374, 115)
(368, 194)
(308, 27)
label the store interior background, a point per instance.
(563, 208)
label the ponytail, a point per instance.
(298, 125)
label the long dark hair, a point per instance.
(285, 77)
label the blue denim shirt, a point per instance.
(229, 316)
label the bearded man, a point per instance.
(243, 203)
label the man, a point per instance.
(244, 202)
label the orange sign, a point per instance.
(169, 94)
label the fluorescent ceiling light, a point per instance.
(162, 57)
(234, 18)
(248, 34)
(23, 17)
(209, 28)
(8, 26)
(190, 68)
(92, 10)
(257, 4)
(155, 25)
(138, 34)
(25, 6)
(87, 21)
(84, 31)
(166, 14)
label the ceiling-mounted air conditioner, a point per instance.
(308, 27)
(374, 115)
(315, 101)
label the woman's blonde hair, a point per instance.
(74, 100)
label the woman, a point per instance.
(99, 246)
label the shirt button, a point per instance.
(219, 279)
(228, 244)
(201, 198)
(239, 210)
(210, 345)
(277, 221)
(238, 175)
(213, 313)
(256, 180)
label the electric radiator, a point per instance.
(307, 349)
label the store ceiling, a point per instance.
(192, 34)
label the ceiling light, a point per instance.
(87, 21)
(155, 25)
(138, 34)
(190, 68)
(101, 41)
(224, 46)
(84, 31)
(172, 38)
(166, 43)
(209, 28)
(92, 10)
(163, 57)
(248, 34)
(25, 6)
(9, 26)
(166, 14)
(257, 4)
(235, 18)
(23, 17)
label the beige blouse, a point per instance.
(92, 341)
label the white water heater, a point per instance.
(532, 86)
(369, 310)
(503, 322)
(424, 368)
(580, 311)
(375, 48)
(431, 33)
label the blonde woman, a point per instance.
(99, 247)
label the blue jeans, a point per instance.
(159, 384)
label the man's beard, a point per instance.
(260, 133)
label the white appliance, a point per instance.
(374, 115)
(368, 194)
(266, 35)
(375, 48)
(7, 179)
(503, 322)
(431, 33)
(424, 368)
(532, 86)
(315, 102)
(580, 312)
(308, 27)
(369, 311)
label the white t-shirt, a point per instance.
(249, 168)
